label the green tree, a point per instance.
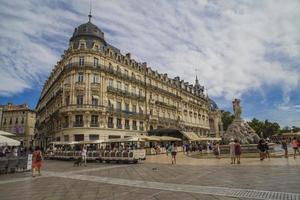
(295, 129)
(257, 125)
(270, 128)
(264, 128)
(227, 119)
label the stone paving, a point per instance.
(155, 179)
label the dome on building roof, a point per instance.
(87, 30)
(213, 105)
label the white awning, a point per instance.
(128, 139)
(159, 138)
(95, 97)
(191, 136)
(210, 139)
(5, 141)
(6, 133)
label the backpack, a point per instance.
(38, 157)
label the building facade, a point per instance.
(19, 120)
(95, 92)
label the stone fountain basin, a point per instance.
(247, 148)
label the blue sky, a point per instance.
(241, 49)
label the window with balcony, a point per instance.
(81, 60)
(67, 100)
(141, 110)
(114, 136)
(126, 88)
(22, 121)
(119, 70)
(80, 77)
(110, 67)
(17, 121)
(119, 85)
(66, 122)
(134, 108)
(93, 137)
(134, 90)
(4, 122)
(96, 78)
(141, 92)
(110, 122)
(127, 107)
(78, 137)
(96, 62)
(127, 124)
(111, 82)
(141, 126)
(95, 100)
(119, 105)
(134, 127)
(10, 121)
(80, 100)
(94, 121)
(78, 121)
(110, 105)
(126, 72)
(119, 123)
(66, 138)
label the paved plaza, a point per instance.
(156, 178)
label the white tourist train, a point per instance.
(127, 150)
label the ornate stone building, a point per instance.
(95, 92)
(19, 120)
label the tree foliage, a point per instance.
(227, 119)
(264, 128)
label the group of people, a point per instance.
(172, 149)
(295, 145)
(14, 151)
(235, 151)
(263, 148)
(192, 147)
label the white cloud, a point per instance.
(226, 42)
(230, 43)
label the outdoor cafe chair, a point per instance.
(22, 163)
(12, 164)
(3, 165)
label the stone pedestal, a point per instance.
(239, 129)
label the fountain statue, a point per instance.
(240, 129)
(237, 109)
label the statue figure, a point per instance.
(237, 109)
(240, 129)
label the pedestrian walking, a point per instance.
(266, 144)
(169, 149)
(284, 146)
(237, 151)
(36, 161)
(174, 153)
(15, 151)
(216, 150)
(295, 145)
(83, 155)
(261, 148)
(232, 151)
